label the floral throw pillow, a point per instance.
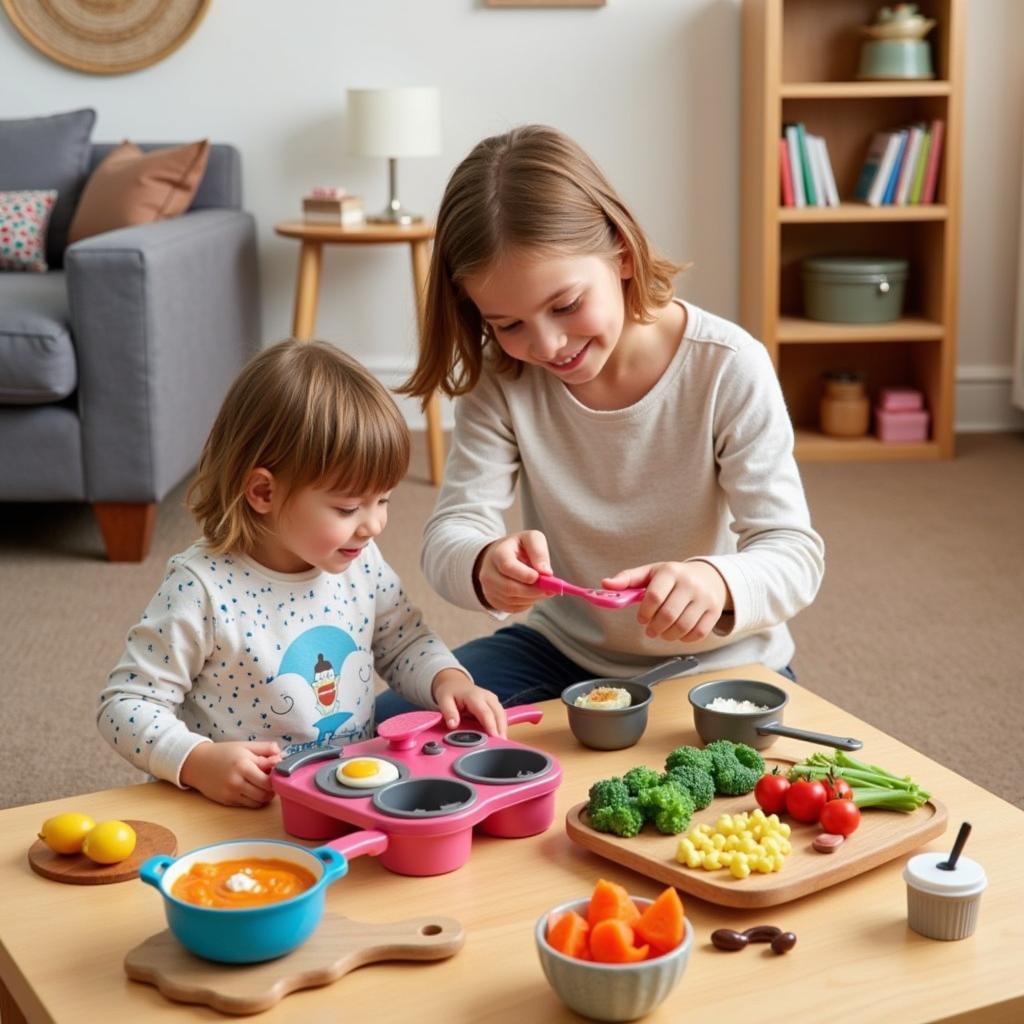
(24, 218)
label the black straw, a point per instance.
(949, 864)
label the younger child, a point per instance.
(264, 636)
(648, 438)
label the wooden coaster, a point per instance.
(337, 946)
(77, 869)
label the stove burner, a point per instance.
(465, 738)
(326, 780)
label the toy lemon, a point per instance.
(109, 842)
(64, 833)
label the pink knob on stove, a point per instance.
(402, 730)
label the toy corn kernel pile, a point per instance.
(742, 843)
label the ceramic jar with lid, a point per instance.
(943, 904)
(845, 410)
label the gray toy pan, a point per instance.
(616, 728)
(758, 729)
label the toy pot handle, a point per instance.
(152, 870)
(368, 841)
(523, 713)
(666, 670)
(824, 738)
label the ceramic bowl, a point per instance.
(612, 992)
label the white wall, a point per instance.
(649, 87)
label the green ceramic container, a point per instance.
(896, 58)
(854, 289)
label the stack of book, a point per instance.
(332, 206)
(805, 170)
(902, 167)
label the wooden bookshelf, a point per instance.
(800, 61)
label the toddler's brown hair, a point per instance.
(312, 416)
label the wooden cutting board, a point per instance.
(77, 869)
(338, 946)
(882, 835)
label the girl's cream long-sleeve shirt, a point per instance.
(701, 467)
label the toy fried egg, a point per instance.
(605, 698)
(365, 773)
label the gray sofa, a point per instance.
(113, 368)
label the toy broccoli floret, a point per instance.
(735, 767)
(612, 809)
(697, 782)
(692, 757)
(668, 806)
(639, 778)
(624, 820)
(607, 793)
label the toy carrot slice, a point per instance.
(569, 934)
(662, 923)
(611, 942)
(610, 900)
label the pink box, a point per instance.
(901, 426)
(900, 399)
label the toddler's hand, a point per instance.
(455, 693)
(507, 569)
(684, 600)
(236, 774)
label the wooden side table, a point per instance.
(313, 238)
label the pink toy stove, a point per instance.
(422, 788)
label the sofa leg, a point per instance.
(127, 529)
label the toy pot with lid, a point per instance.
(249, 935)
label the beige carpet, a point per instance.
(919, 627)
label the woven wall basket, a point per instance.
(106, 37)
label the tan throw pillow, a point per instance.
(132, 187)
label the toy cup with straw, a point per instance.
(944, 893)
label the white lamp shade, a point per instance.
(394, 122)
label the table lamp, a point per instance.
(392, 123)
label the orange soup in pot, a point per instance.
(249, 882)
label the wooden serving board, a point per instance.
(882, 835)
(338, 946)
(77, 869)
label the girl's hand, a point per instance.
(236, 774)
(455, 693)
(507, 569)
(684, 600)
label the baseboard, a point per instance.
(984, 402)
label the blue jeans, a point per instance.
(517, 664)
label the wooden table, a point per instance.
(313, 238)
(61, 947)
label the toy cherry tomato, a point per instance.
(805, 800)
(836, 787)
(840, 817)
(770, 792)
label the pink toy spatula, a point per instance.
(601, 598)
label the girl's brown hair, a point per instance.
(532, 189)
(312, 416)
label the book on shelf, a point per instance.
(931, 173)
(785, 174)
(796, 165)
(901, 166)
(809, 190)
(828, 179)
(345, 210)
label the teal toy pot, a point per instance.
(250, 935)
(853, 289)
(896, 58)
